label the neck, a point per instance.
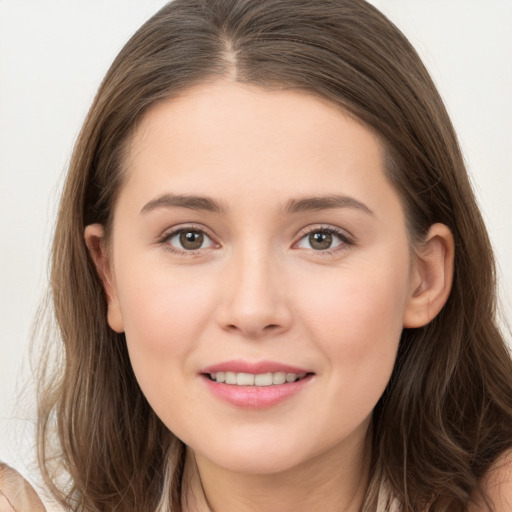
(327, 482)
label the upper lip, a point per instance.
(255, 368)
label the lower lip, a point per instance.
(256, 397)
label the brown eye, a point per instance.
(191, 240)
(320, 240)
(323, 239)
(185, 240)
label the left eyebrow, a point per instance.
(325, 203)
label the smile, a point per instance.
(249, 385)
(251, 379)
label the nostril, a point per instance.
(267, 328)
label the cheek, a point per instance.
(163, 319)
(164, 314)
(357, 321)
(349, 306)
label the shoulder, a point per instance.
(497, 486)
(16, 493)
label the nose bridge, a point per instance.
(254, 300)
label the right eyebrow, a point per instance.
(169, 200)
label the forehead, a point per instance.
(217, 123)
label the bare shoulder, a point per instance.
(16, 493)
(497, 485)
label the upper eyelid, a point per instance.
(324, 227)
(169, 232)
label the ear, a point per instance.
(431, 278)
(95, 241)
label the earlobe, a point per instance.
(432, 277)
(95, 241)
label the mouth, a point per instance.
(258, 379)
(250, 385)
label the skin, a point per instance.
(16, 493)
(258, 289)
(497, 485)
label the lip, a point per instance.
(239, 366)
(255, 397)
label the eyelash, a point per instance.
(346, 240)
(165, 239)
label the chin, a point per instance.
(261, 464)
(259, 457)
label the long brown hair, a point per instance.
(447, 411)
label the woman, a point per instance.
(272, 281)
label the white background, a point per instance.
(53, 55)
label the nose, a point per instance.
(255, 301)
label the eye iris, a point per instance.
(320, 240)
(191, 240)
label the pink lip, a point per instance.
(247, 367)
(254, 397)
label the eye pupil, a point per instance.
(191, 240)
(320, 240)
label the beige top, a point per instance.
(17, 495)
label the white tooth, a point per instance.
(245, 379)
(291, 377)
(213, 376)
(279, 378)
(230, 378)
(301, 375)
(220, 376)
(263, 379)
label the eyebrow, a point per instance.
(199, 203)
(324, 203)
(202, 203)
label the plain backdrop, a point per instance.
(53, 55)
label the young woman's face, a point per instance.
(257, 243)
